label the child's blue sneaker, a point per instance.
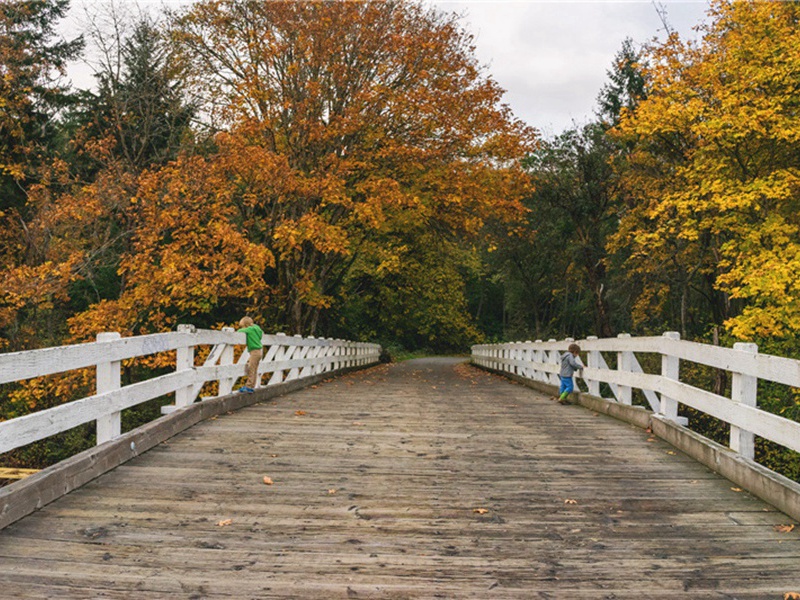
(246, 390)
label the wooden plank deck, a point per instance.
(426, 479)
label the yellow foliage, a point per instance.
(713, 172)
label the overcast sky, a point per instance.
(551, 56)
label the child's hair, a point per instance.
(574, 348)
(245, 322)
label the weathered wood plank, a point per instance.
(377, 477)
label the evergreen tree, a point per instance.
(32, 93)
(625, 87)
(141, 106)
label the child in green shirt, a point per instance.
(253, 334)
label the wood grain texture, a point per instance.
(427, 479)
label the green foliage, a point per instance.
(555, 268)
(416, 299)
(32, 60)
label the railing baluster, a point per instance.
(744, 390)
(108, 377)
(553, 358)
(184, 360)
(625, 363)
(670, 369)
(593, 360)
(226, 384)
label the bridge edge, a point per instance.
(771, 487)
(28, 495)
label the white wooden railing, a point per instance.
(539, 361)
(286, 358)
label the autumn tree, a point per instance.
(343, 119)
(712, 227)
(32, 94)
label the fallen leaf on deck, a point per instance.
(299, 413)
(784, 528)
(268, 481)
(791, 596)
(225, 522)
(331, 491)
(570, 501)
(480, 511)
(651, 439)
(670, 452)
(735, 489)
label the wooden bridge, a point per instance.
(424, 479)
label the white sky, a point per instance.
(550, 56)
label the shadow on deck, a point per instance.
(425, 479)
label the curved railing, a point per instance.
(286, 358)
(663, 390)
(539, 361)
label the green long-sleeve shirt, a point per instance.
(254, 335)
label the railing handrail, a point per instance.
(777, 369)
(285, 358)
(27, 364)
(539, 361)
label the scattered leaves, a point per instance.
(225, 523)
(480, 511)
(735, 489)
(784, 528)
(331, 491)
(670, 452)
(570, 501)
(299, 413)
(791, 596)
(268, 481)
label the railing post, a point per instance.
(337, 363)
(625, 363)
(226, 384)
(539, 356)
(297, 353)
(670, 369)
(527, 357)
(593, 360)
(280, 353)
(553, 358)
(744, 389)
(108, 378)
(184, 360)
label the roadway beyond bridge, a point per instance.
(425, 479)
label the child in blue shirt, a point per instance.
(570, 362)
